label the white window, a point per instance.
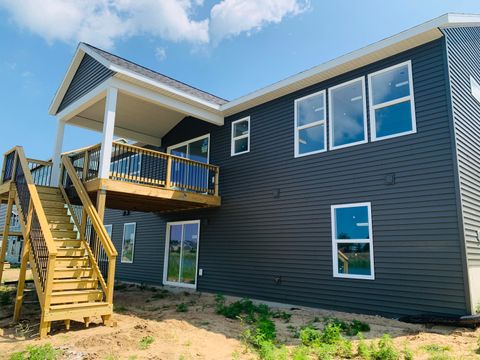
(197, 149)
(352, 241)
(240, 136)
(310, 124)
(392, 105)
(128, 242)
(475, 88)
(109, 229)
(347, 114)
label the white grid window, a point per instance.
(352, 241)
(240, 136)
(310, 124)
(392, 105)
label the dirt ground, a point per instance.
(199, 333)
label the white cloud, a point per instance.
(232, 17)
(160, 53)
(103, 22)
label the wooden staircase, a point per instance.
(71, 256)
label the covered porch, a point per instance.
(142, 106)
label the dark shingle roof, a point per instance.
(141, 70)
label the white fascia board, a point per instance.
(147, 80)
(439, 22)
(67, 79)
(168, 102)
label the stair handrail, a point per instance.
(35, 202)
(97, 223)
(43, 275)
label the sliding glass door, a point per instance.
(181, 253)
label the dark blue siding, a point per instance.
(464, 60)
(90, 73)
(255, 236)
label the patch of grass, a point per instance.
(326, 344)
(243, 308)
(145, 342)
(37, 352)
(435, 348)
(407, 353)
(384, 349)
(437, 352)
(282, 315)
(351, 328)
(182, 307)
(301, 353)
(6, 295)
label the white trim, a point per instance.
(134, 240)
(335, 241)
(415, 36)
(111, 230)
(211, 116)
(173, 147)
(57, 153)
(239, 137)
(331, 119)
(315, 123)
(145, 79)
(107, 134)
(475, 88)
(410, 97)
(167, 246)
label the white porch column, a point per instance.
(107, 138)
(57, 153)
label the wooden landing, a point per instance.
(129, 196)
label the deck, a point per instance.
(146, 180)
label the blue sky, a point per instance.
(227, 47)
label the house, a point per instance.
(15, 239)
(350, 186)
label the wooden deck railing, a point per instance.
(37, 232)
(100, 248)
(148, 167)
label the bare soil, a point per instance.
(199, 333)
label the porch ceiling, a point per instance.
(135, 119)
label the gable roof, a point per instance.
(413, 37)
(163, 79)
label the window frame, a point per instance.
(336, 241)
(166, 254)
(239, 137)
(123, 242)
(187, 142)
(331, 119)
(297, 128)
(372, 108)
(475, 88)
(111, 229)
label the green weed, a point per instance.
(145, 342)
(182, 307)
(384, 350)
(282, 315)
(37, 352)
(6, 295)
(243, 308)
(351, 328)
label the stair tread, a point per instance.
(75, 292)
(60, 281)
(79, 305)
